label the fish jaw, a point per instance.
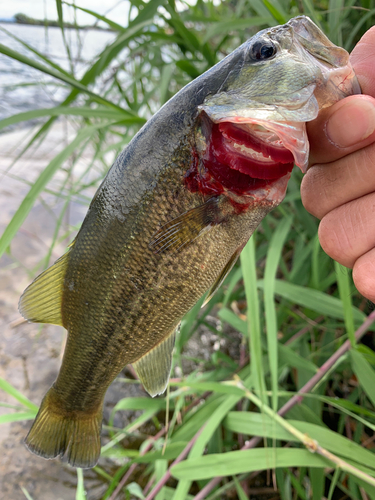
(338, 79)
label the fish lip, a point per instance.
(302, 106)
(271, 194)
(333, 61)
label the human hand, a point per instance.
(339, 188)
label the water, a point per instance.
(23, 88)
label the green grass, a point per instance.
(293, 306)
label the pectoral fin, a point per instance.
(154, 368)
(224, 273)
(41, 301)
(186, 228)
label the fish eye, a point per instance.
(262, 50)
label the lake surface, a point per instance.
(23, 88)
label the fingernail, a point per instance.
(352, 123)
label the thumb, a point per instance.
(341, 129)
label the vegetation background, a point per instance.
(303, 409)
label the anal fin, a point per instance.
(224, 273)
(154, 368)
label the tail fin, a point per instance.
(74, 436)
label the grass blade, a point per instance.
(364, 373)
(16, 417)
(344, 282)
(12, 391)
(248, 264)
(273, 256)
(118, 115)
(251, 423)
(240, 492)
(315, 300)
(80, 492)
(238, 462)
(52, 72)
(235, 24)
(111, 24)
(47, 60)
(26, 493)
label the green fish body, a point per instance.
(170, 219)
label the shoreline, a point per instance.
(52, 24)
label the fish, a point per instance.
(170, 219)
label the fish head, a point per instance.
(253, 129)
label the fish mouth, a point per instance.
(252, 150)
(246, 156)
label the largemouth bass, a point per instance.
(171, 218)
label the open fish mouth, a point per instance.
(278, 142)
(244, 155)
(252, 150)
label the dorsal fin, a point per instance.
(41, 301)
(154, 368)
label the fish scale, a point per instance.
(170, 219)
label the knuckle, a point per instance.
(328, 237)
(364, 276)
(365, 162)
(334, 240)
(319, 189)
(310, 193)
